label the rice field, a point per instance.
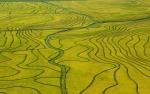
(75, 47)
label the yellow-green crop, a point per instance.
(75, 47)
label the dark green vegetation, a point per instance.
(76, 47)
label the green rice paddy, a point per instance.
(75, 47)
